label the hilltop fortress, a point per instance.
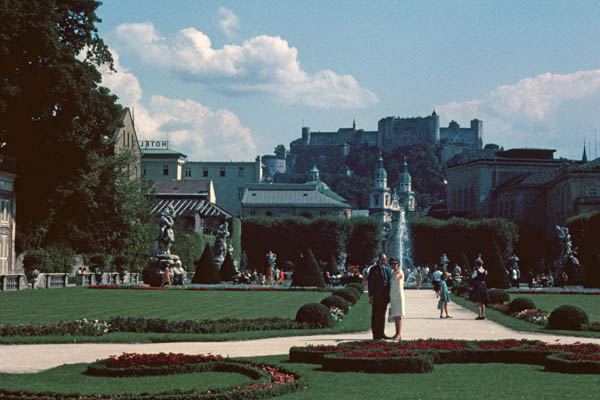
(330, 149)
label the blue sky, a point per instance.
(232, 79)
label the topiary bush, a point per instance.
(358, 286)
(460, 290)
(498, 296)
(355, 290)
(568, 317)
(206, 269)
(336, 301)
(348, 294)
(227, 271)
(307, 272)
(316, 315)
(521, 303)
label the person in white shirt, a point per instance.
(437, 277)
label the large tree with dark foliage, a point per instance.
(59, 123)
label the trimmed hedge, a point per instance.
(568, 317)
(315, 315)
(206, 269)
(521, 303)
(375, 356)
(336, 301)
(349, 294)
(413, 364)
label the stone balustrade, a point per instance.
(108, 278)
(13, 282)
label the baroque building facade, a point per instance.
(313, 198)
(229, 177)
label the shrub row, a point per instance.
(375, 356)
(319, 315)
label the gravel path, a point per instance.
(422, 321)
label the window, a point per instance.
(376, 200)
(252, 212)
(188, 171)
(222, 172)
(269, 214)
(241, 172)
(592, 191)
(144, 171)
(205, 172)
(240, 193)
(165, 170)
(4, 211)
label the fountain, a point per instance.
(398, 244)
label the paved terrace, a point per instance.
(422, 321)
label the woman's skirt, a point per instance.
(480, 293)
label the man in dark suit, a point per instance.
(379, 295)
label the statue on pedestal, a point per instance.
(161, 257)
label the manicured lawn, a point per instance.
(518, 324)
(549, 302)
(464, 381)
(47, 306)
(70, 378)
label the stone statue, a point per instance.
(165, 236)
(160, 260)
(221, 243)
(568, 256)
(271, 258)
(444, 261)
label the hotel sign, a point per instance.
(154, 144)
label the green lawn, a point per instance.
(70, 378)
(549, 302)
(450, 381)
(47, 306)
(521, 325)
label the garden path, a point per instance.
(422, 321)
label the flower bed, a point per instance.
(80, 327)
(402, 356)
(269, 381)
(224, 287)
(554, 291)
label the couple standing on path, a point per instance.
(385, 286)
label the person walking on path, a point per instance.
(444, 296)
(397, 303)
(379, 295)
(166, 278)
(437, 276)
(419, 277)
(480, 292)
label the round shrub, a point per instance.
(521, 303)
(359, 286)
(568, 317)
(460, 290)
(316, 315)
(348, 294)
(336, 301)
(498, 296)
(355, 290)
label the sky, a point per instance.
(230, 80)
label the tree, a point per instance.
(55, 116)
(307, 272)
(206, 269)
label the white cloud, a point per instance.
(229, 23)
(194, 129)
(534, 112)
(262, 64)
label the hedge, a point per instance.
(359, 237)
(376, 356)
(462, 238)
(585, 231)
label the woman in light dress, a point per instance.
(397, 308)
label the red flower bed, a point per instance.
(103, 287)
(127, 360)
(149, 288)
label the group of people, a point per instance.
(386, 286)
